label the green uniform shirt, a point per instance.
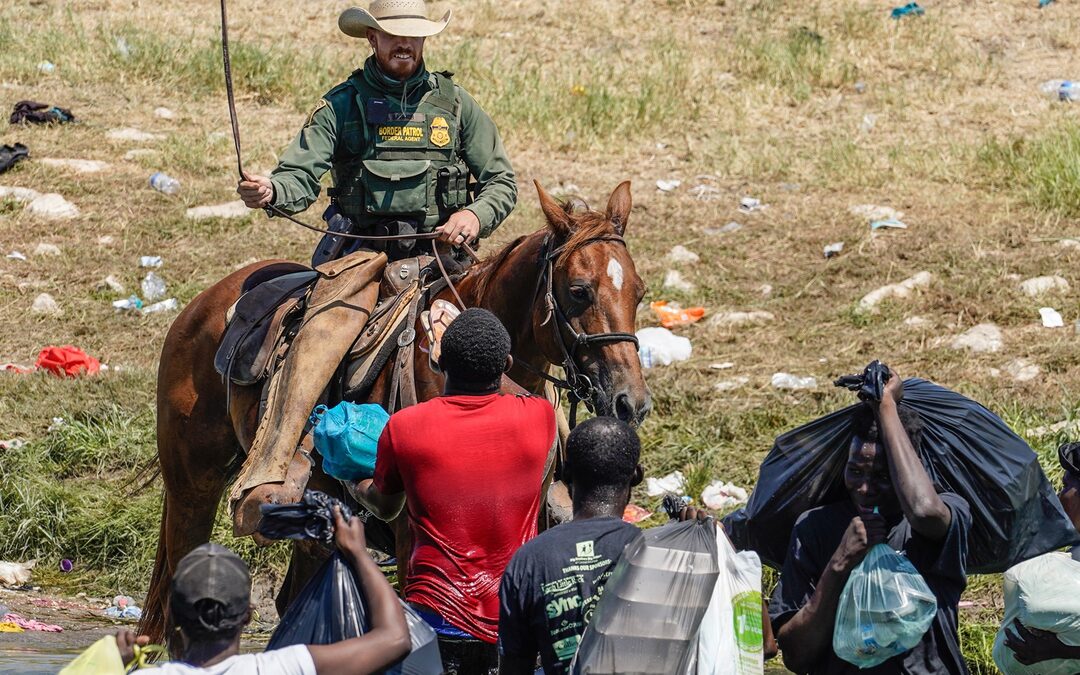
(310, 155)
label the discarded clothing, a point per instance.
(9, 627)
(31, 624)
(67, 361)
(32, 112)
(10, 155)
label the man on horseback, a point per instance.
(400, 142)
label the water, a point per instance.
(29, 662)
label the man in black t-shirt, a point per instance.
(892, 500)
(553, 583)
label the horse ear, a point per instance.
(557, 218)
(618, 207)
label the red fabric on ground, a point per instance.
(471, 468)
(67, 361)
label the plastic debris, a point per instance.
(661, 347)
(722, 366)
(153, 287)
(1043, 3)
(56, 423)
(164, 183)
(31, 624)
(67, 361)
(150, 261)
(750, 205)
(672, 314)
(731, 319)
(793, 382)
(16, 368)
(124, 607)
(112, 283)
(9, 627)
(985, 337)
(131, 303)
(1061, 90)
(52, 206)
(888, 224)
(726, 229)
(12, 444)
(720, 496)
(16, 255)
(673, 279)
(164, 113)
(105, 240)
(872, 212)
(1022, 370)
(902, 290)
(705, 193)
(45, 304)
(131, 134)
(46, 249)
(1051, 318)
(76, 165)
(163, 306)
(765, 290)
(1037, 286)
(673, 483)
(833, 250)
(66, 565)
(635, 514)
(681, 255)
(731, 383)
(869, 120)
(668, 185)
(860, 87)
(123, 48)
(235, 209)
(910, 9)
(47, 67)
(16, 574)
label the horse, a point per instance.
(567, 294)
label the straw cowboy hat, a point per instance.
(403, 18)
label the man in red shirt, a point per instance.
(469, 467)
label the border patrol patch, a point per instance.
(318, 106)
(440, 132)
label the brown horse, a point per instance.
(595, 292)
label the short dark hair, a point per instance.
(866, 426)
(474, 348)
(602, 452)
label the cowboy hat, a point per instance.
(402, 18)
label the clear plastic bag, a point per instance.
(885, 609)
(1043, 593)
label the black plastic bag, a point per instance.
(332, 606)
(966, 449)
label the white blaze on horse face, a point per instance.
(614, 270)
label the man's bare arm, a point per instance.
(385, 507)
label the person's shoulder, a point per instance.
(343, 91)
(292, 660)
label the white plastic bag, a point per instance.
(660, 347)
(1043, 593)
(730, 639)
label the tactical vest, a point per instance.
(392, 164)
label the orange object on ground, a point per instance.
(673, 315)
(67, 361)
(635, 514)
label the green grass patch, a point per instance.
(1044, 169)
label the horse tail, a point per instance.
(152, 622)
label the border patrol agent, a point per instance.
(409, 150)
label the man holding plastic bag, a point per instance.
(891, 500)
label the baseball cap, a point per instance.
(211, 572)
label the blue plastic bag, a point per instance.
(347, 437)
(885, 609)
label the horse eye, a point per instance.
(580, 293)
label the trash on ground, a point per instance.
(32, 112)
(888, 224)
(132, 134)
(56, 424)
(672, 314)
(751, 205)
(680, 254)
(729, 319)
(917, 321)
(9, 627)
(164, 113)
(706, 193)
(52, 206)
(66, 565)
(1022, 370)
(731, 383)
(164, 183)
(47, 67)
(235, 209)
(16, 368)
(10, 155)
(726, 229)
(123, 48)
(868, 122)
(131, 303)
(1061, 90)
(15, 255)
(31, 624)
(765, 289)
(722, 366)
(635, 514)
(983, 338)
(1051, 318)
(12, 444)
(76, 165)
(153, 287)
(872, 212)
(668, 185)
(673, 483)
(105, 240)
(150, 261)
(1037, 286)
(833, 250)
(902, 290)
(45, 304)
(910, 9)
(163, 306)
(15, 573)
(859, 87)
(113, 284)
(719, 495)
(661, 347)
(674, 279)
(46, 249)
(67, 361)
(793, 382)
(124, 607)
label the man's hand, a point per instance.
(461, 228)
(894, 388)
(861, 535)
(693, 513)
(349, 535)
(126, 641)
(1031, 645)
(256, 191)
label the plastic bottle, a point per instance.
(1062, 90)
(128, 304)
(163, 306)
(164, 183)
(153, 287)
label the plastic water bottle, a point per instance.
(1062, 90)
(132, 303)
(164, 183)
(153, 287)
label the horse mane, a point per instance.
(485, 269)
(590, 225)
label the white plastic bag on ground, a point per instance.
(730, 639)
(1043, 593)
(660, 347)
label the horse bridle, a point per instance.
(577, 384)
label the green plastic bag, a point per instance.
(101, 658)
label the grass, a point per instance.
(765, 99)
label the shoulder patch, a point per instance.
(318, 106)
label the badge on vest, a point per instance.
(440, 132)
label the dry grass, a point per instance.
(762, 98)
